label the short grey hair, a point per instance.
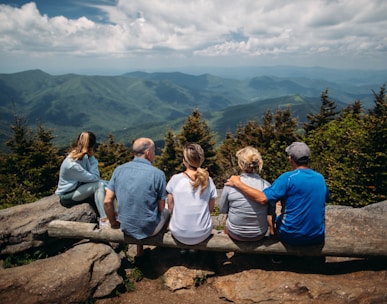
(141, 145)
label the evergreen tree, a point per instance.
(327, 114)
(110, 155)
(278, 131)
(338, 153)
(30, 170)
(376, 125)
(271, 138)
(226, 160)
(168, 161)
(196, 129)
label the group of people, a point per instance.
(147, 203)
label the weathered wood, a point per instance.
(218, 241)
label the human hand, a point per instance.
(90, 152)
(232, 181)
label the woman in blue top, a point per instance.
(79, 177)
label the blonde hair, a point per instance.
(249, 159)
(194, 156)
(86, 141)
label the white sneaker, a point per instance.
(103, 223)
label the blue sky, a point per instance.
(117, 36)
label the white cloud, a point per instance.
(249, 29)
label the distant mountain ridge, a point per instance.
(146, 104)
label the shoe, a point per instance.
(103, 223)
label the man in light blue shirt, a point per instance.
(303, 194)
(139, 188)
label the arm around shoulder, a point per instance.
(254, 194)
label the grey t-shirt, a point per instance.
(246, 218)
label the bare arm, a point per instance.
(211, 204)
(170, 203)
(254, 194)
(161, 205)
(109, 208)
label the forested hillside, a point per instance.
(147, 104)
(348, 148)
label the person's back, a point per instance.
(303, 194)
(140, 190)
(191, 220)
(246, 220)
(138, 186)
(303, 206)
(191, 198)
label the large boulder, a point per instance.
(25, 226)
(83, 272)
(357, 223)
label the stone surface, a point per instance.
(181, 277)
(25, 226)
(90, 270)
(85, 271)
(261, 286)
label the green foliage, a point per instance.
(199, 280)
(23, 258)
(271, 138)
(348, 147)
(31, 168)
(327, 114)
(376, 126)
(110, 155)
(135, 275)
(168, 161)
(341, 153)
(195, 130)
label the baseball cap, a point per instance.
(299, 151)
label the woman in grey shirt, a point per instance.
(247, 220)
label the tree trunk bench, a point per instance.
(218, 241)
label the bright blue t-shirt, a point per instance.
(303, 194)
(138, 186)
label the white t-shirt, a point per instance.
(191, 220)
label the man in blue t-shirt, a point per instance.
(303, 194)
(139, 188)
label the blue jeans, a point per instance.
(83, 193)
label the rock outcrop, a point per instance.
(24, 227)
(85, 271)
(90, 270)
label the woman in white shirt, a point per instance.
(191, 199)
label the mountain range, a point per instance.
(147, 104)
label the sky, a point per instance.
(117, 36)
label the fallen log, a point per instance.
(338, 247)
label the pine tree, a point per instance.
(339, 154)
(30, 170)
(327, 113)
(196, 129)
(271, 138)
(279, 130)
(226, 160)
(168, 161)
(376, 124)
(110, 155)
